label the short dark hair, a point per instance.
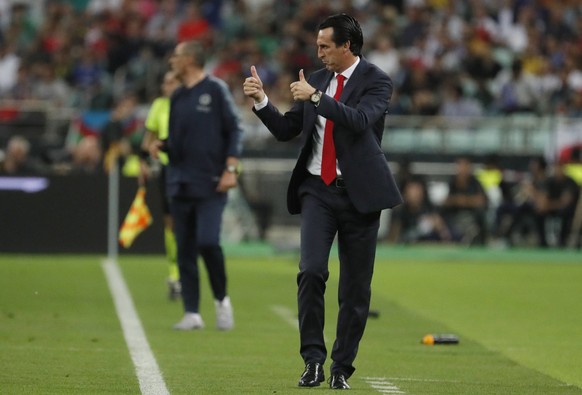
(345, 28)
(195, 49)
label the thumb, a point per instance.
(301, 76)
(254, 73)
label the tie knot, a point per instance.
(340, 78)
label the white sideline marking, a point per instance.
(148, 373)
(423, 380)
(286, 314)
(383, 385)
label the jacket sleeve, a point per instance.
(283, 127)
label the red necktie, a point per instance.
(328, 166)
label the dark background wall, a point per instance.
(70, 216)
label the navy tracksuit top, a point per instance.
(204, 130)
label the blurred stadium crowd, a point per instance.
(496, 56)
(105, 58)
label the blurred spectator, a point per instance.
(481, 67)
(9, 66)
(419, 89)
(417, 220)
(21, 30)
(499, 194)
(99, 6)
(466, 203)
(86, 71)
(558, 204)
(574, 104)
(234, 21)
(556, 25)
(416, 25)
(78, 5)
(194, 27)
(97, 97)
(573, 72)
(95, 36)
(573, 169)
(517, 91)
(134, 37)
(140, 75)
(16, 160)
(48, 86)
(484, 26)
(227, 64)
(266, 69)
(405, 173)
(91, 82)
(547, 201)
(23, 85)
(53, 35)
(516, 32)
(516, 220)
(561, 99)
(455, 104)
(87, 156)
(162, 28)
(385, 55)
(549, 83)
(123, 133)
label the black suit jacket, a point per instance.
(358, 128)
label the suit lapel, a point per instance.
(354, 80)
(324, 81)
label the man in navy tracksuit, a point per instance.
(204, 145)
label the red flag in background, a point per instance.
(136, 221)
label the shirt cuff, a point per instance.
(262, 104)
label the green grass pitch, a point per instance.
(518, 315)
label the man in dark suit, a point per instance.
(340, 184)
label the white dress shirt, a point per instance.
(314, 161)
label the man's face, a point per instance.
(332, 56)
(179, 60)
(169, 84)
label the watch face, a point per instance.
(316, 96)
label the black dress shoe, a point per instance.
(338, 382)
(312, 376)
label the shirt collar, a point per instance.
(347, 73)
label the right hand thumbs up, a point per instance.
(253, 86)
(254, 73)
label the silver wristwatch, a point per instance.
(315, 97)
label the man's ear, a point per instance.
(347, 46)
